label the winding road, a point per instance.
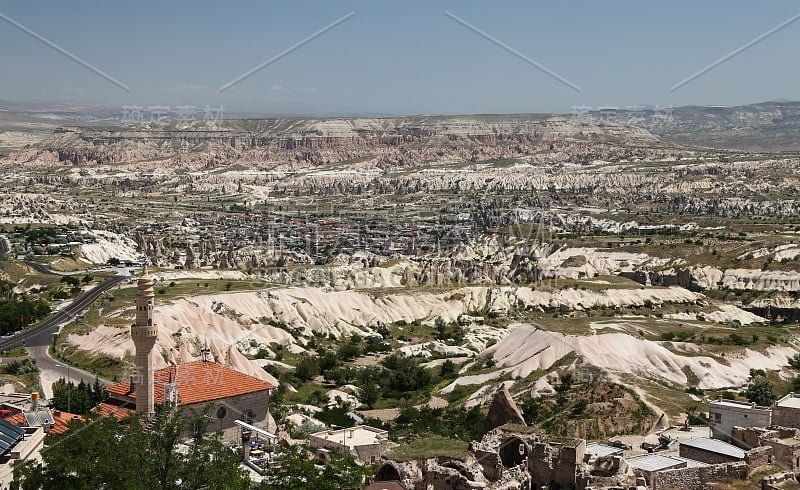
(42, 334)
(38, 339)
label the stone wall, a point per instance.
(749, 437)
(758, 456)
(786, 416)
(782, 440)
(776, 481)
(225, 411)
(704, 456)
(408, 473)
(694, 478)
(556, 463)
(491, 464)
(687, 478)
(451, 474)
(785, 455)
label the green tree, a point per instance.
(761, 392)
(106, 453)
(447, 369)
(25, 366)
(78, 399)
(348, 351)
(370, 394)
(298, 472)
(307, 368)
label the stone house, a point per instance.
(198, 386)
(710, 451)
(649, 465)
(786, 411)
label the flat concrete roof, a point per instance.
(789, 401)
(690, 463)
(736, 404)
(656, 462)
(715, 446)
(602, 449)
(360, 435)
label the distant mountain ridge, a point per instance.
(307, 142)
(84, 134)
(764, 127)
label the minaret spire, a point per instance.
(144, 333)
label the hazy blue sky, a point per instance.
(401, 57)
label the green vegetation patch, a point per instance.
(429, 447)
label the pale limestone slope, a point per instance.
(528, 349)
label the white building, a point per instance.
(724, 415)
(366, 443)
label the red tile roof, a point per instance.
(198, 382)
(17, 419)
(116, 411)
(61, 420)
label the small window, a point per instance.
(221, 412)
(717, 417)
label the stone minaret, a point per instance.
(144, 333)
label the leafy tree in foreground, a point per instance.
(297, 472)
(106, 453)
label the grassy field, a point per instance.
(429, 447)
(15, 352)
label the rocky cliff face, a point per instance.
(307, 142)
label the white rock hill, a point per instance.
(529, 348)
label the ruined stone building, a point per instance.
(513, 457)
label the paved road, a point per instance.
(39, 338)
(42, 268)
(42, 334)
(52, 370)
